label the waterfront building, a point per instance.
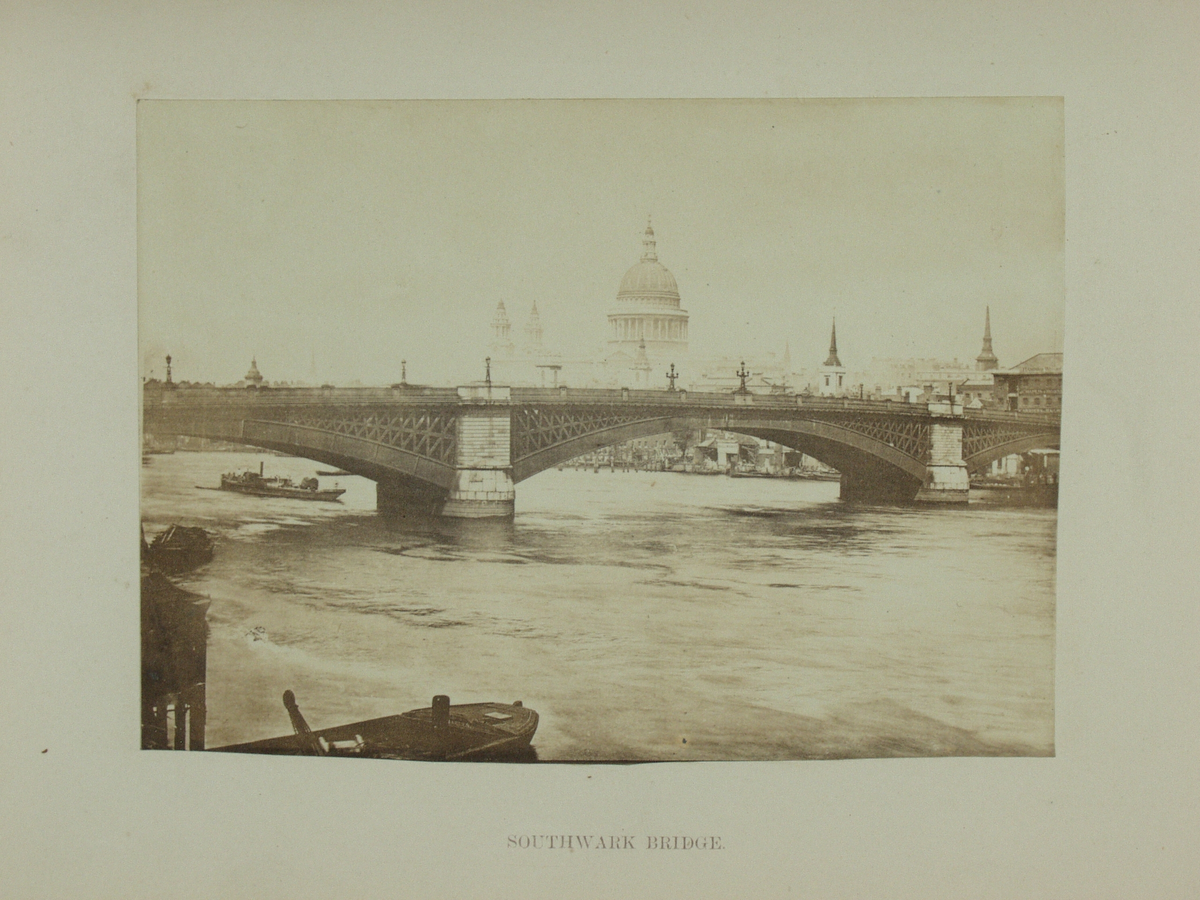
(977, 391)
(918, 379)
(1035, 383)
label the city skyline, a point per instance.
(332, 239)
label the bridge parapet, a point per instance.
(416, 395)
(945, 409)
(1051, 419)
(484, 393)
(204, 395)
(588, 396)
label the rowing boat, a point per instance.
(496, 732)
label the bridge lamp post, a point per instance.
(488, 376)
(743, 375)
(671, 376)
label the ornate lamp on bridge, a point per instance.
(488, 376)
(404, 372)
(743, 375)
(671, 376)
(168, 368)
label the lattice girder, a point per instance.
(428, 433)
(539, 427)
(981, 436)
(536, 428)
(908, 434)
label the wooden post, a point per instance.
(198, 714)
(180, 722)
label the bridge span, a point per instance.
(462, 450)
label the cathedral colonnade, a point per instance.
(649, 328)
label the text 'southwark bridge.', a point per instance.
(463, 449)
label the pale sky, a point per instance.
(344, 236)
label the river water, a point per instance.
(643, 615)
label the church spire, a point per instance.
(833, 354)
(986, 360)
(649, 254)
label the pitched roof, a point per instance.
(1041, 362)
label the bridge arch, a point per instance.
(978, 462)
(859, 456)
(547, 458)
(380, 462)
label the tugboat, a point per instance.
(469, 732)
(255, 484)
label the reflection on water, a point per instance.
(643, 615)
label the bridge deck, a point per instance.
(205, 396)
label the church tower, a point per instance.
(501, 343)
(253, 376)
(533, 332)
(986, 361)
(833, 373)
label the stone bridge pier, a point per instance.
(946, 477)
(483, 484)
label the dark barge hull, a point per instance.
(476, 732)
(179, 549)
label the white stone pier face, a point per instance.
(946, 479)
(483, 486)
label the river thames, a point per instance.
(645, 616)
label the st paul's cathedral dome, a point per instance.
(648, 309)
